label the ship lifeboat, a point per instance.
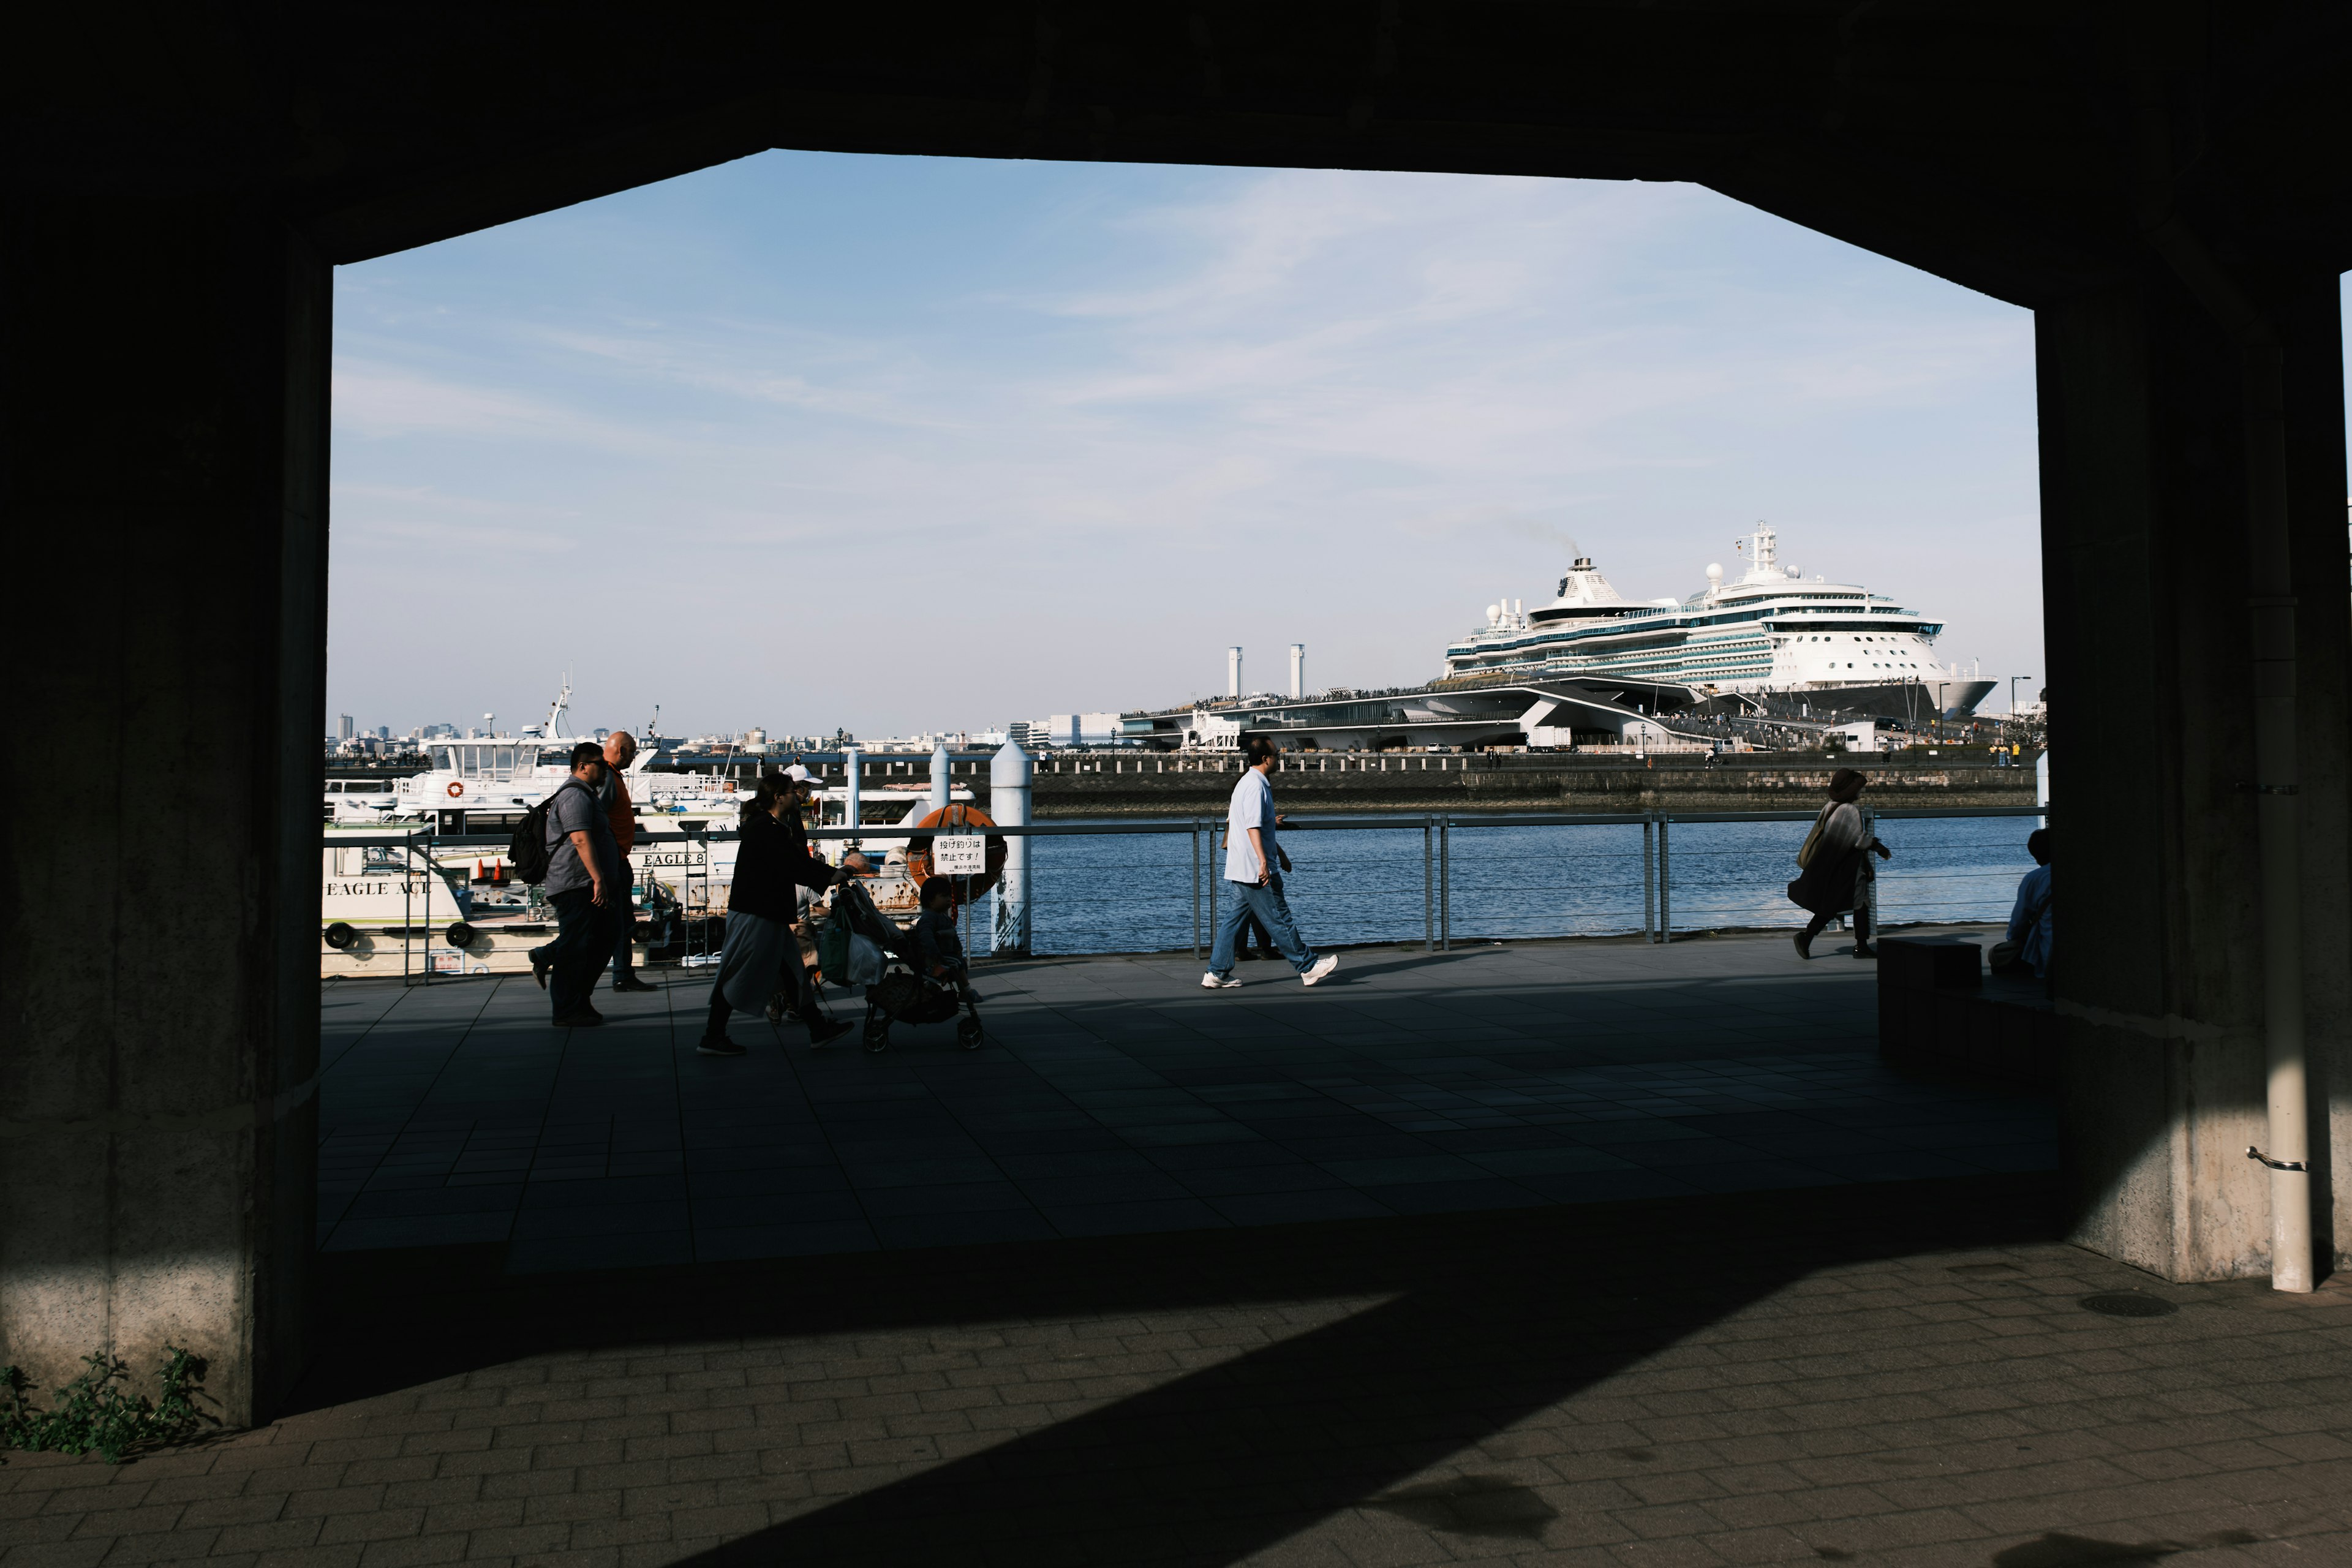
(959, 816)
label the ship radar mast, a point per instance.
(1763, 548)
(554, 729)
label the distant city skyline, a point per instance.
(812, 441)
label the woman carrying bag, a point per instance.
(761, 953)
(1835, 863)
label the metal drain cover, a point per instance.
(2130, 1304)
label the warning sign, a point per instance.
(960, 855)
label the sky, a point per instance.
(813, 441)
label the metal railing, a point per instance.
(1719, 866)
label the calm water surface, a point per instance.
(1134, 893)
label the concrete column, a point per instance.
(942, 778)
(1010, 778)
(2158, 969)
(164, 421)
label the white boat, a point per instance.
(458, 898)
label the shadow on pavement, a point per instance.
(1475, 1321)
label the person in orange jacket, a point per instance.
(621, 813)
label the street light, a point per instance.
(2012, 692)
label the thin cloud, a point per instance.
(1081, 402)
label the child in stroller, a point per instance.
(924, 977)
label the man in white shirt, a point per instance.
(1251, 855)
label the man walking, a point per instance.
(621, 815)
(1251, 855)
(584, 883)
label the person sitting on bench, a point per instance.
(2027, 948)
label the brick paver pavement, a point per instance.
(1894, 1373)
(1118, 1096)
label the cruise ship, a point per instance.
(1785, 644)
(1593, 666)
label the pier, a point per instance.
(1160, 784)
(1117, 1095)
(1597, 1254)
(1342, 782)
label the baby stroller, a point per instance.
(902, 994)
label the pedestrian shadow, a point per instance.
(1469, 1323)
(1421, 961)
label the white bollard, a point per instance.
(1009, 774)
(941, 767)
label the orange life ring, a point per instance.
(918, 848)
(456, 788)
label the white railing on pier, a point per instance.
(1659, 875)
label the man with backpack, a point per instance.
(584, 885)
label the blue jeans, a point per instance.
(624, 957)
(583, 943)
(1273, 912)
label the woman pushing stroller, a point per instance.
(772, 863)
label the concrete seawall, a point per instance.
(1148, 787)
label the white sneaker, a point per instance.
(1216, 983)
(1323, 967)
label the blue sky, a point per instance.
(893, 443)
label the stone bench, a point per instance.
(1937, 1008)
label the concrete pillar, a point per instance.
(163, 420)
(2158, 972)
(1010, 778)
(942, 778)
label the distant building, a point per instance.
(1083, 730)
(347, 732)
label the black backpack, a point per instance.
(526, 851)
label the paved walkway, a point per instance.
(1894, 1374)
(1825, 1323)
(1116, 1095)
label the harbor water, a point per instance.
(1134, 892)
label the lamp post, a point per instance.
(2012, 692)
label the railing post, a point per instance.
(1870, 877)
(429, 908)
(1649, 877)
(1216, 875)
(1196, 889)
(1666, 884)
(1428, 888)
(1445, 884)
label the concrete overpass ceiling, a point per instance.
(166, 435)
(1998, 145)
